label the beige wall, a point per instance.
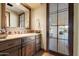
(39, 16)
(76, 29)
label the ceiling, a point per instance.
(33, 5)
(16, 8)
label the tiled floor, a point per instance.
(42, 53)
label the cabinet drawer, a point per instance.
(31, 38)
(9, 43)
(28, 39)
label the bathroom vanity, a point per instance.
(20, 44)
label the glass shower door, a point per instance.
(53, 27)
(63, 28)
(58, 28)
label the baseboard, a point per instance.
(56, 53)
(53, 52)
(44, 50)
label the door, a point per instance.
(60, 28)
(53, 27)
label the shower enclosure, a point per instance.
(60, 28)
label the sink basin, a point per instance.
(2, 36)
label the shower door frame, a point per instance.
(70, 29)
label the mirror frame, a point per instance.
(3, 17)
(29, 8)
(9, 17)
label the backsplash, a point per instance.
(16, 30)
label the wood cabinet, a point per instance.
(38, 42)
(11, 47)
(15, 51)
(30, 49)
(27, 46)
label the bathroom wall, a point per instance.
(39, 22)
(76, 29)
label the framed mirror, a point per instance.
(17, 15)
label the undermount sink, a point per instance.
(3, 36)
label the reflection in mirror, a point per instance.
(17, 15)
(22, 20)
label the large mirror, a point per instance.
(17, 15)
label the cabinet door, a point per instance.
(24, 50)
(11, 52)
(19, 51)
(38, 43)
(30, 49)
(38, 47)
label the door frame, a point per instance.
(70, 31)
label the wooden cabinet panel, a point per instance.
(9, 43)
(28, 46)
(15, 51)
(23, 51)
(28, 49)
(38, 43)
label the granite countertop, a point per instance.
(15, 36)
